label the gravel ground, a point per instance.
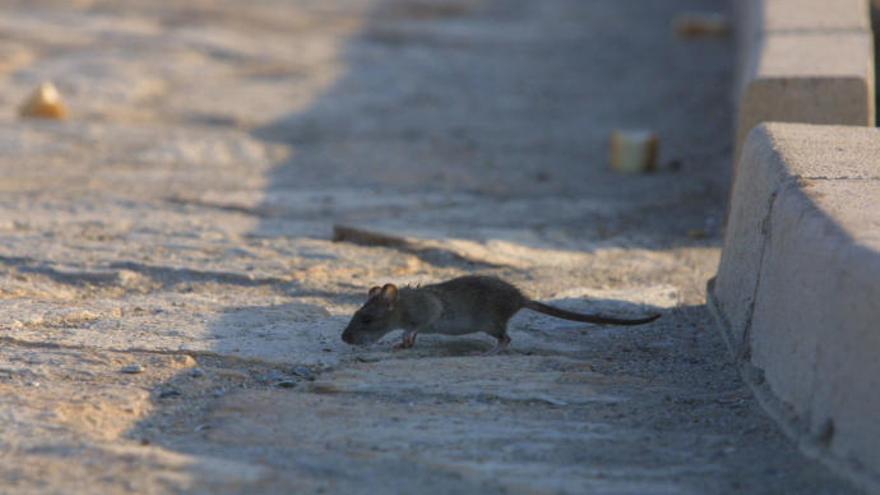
(171, 300)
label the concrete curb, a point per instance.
(797, 292)
(798, 287)
(792, 426)
(807, 61)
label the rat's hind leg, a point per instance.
(500, 333)
(501, 346)
(409, 340)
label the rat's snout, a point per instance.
(351, 336)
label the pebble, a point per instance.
(132, 369)
(304, 373)
(272, 376)
(286, 384)
(197, 373)
(185, 361)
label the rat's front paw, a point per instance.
(409, 340)
(402, 346)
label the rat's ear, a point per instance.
(375, 290)
(389, 293)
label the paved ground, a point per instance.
(180, 221)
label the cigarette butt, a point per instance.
(633, 151)
(44, 103)
(698, 25)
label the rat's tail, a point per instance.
(598, 319)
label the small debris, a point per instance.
(701, 25)
(363, 237)
(197, 373)
(145, 441)
(323, 388)
(168, 393)
(202, 427)
(420, 248)
(286, 384)
(633, 151)
(368, 359)
(44, 103)
(697, 234)
(133, 369)
(550, 400)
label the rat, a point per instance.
(456, 307)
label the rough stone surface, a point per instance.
(774, 155)
(798, 282)
(181, 219)
(815, 78)
(804, 15)
(753, 190)
(808, 61)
